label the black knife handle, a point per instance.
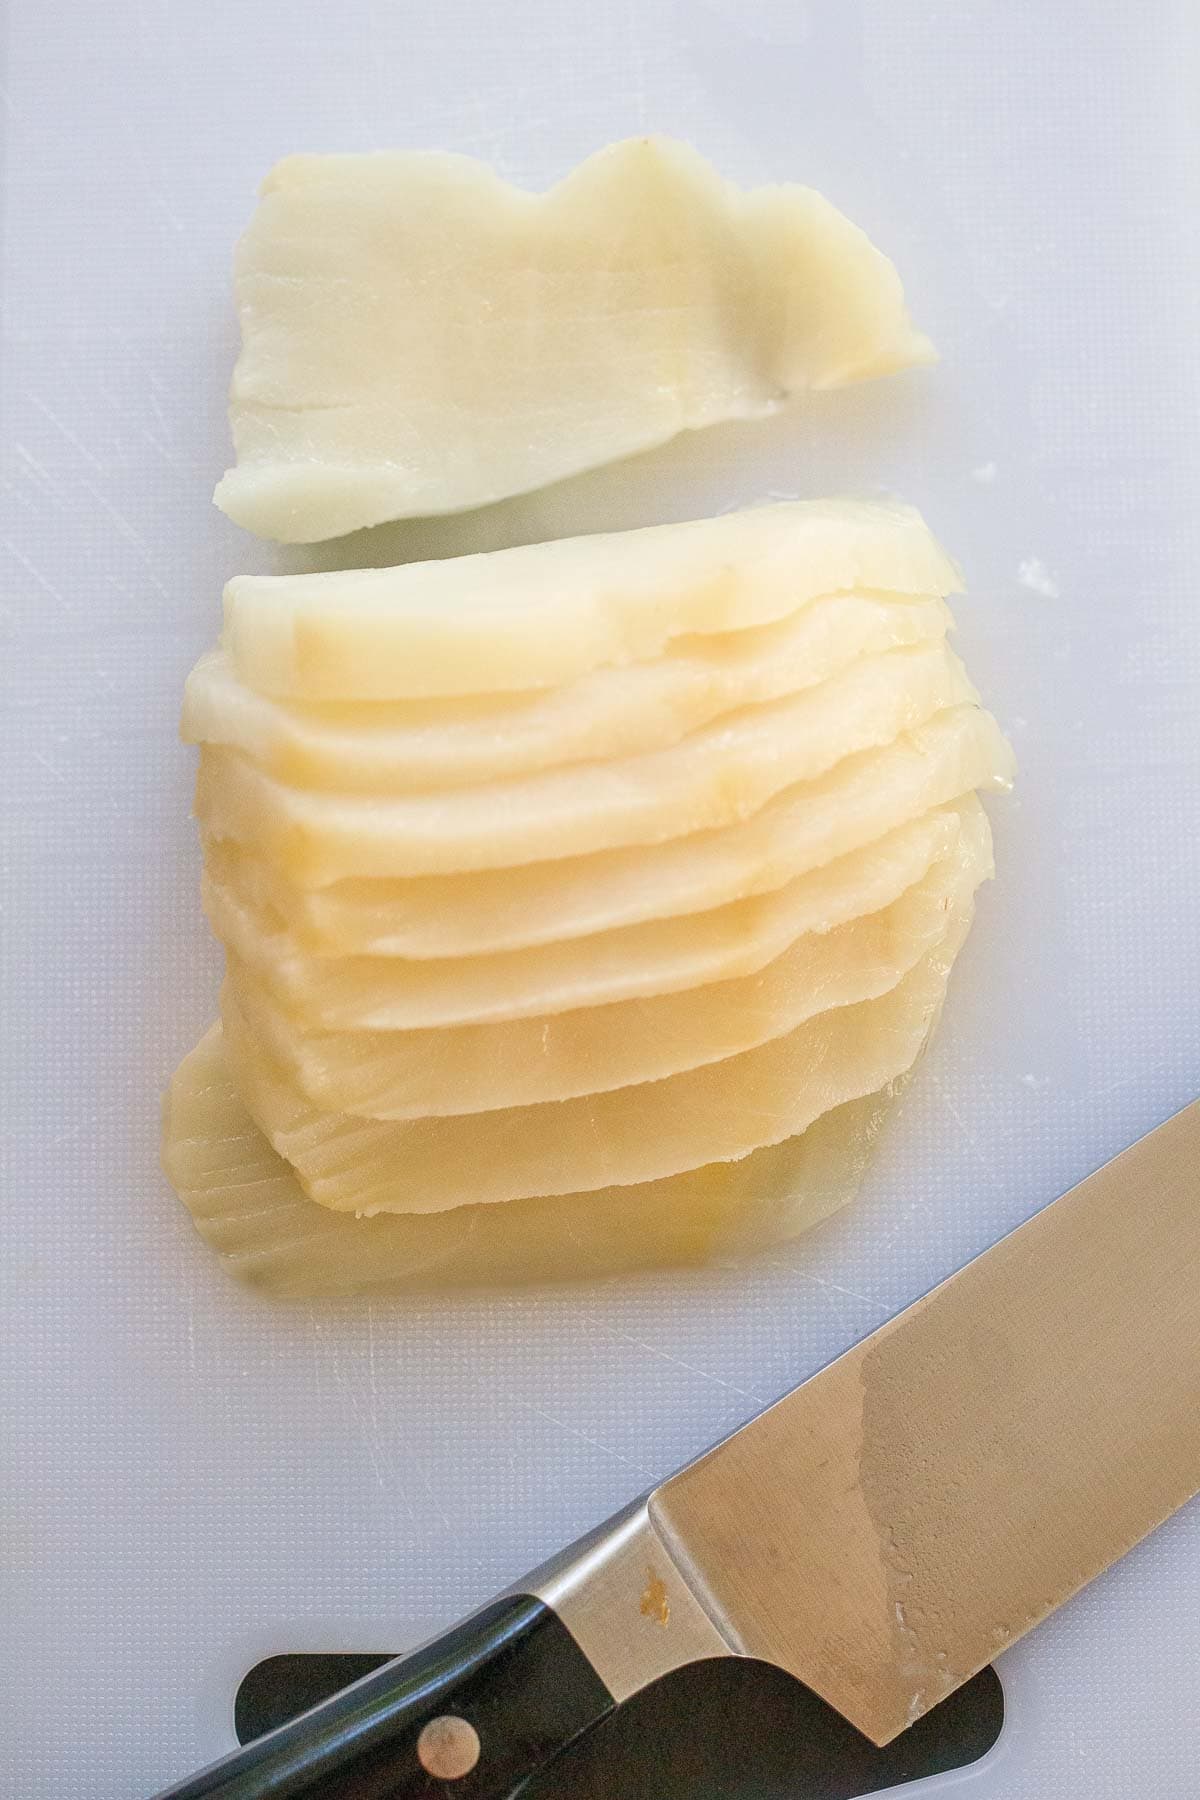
(513, 1673)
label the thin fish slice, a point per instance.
(636, 1134)
(542, 614)
(660, 957)
(248, 1206)
(419, 336)
(479, 1068)
(712, 778)
(863, 798)
(401, 746)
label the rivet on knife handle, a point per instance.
(474, 1713)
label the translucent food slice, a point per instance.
(479, 1068)
(248, 1206)
(404, 745)
(717, 1113)
(714, 777)
(508, 909)
(541, 614)
(418, 336)
(661, 956)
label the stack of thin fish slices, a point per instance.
(583, 903)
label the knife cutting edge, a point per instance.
(882, 1532)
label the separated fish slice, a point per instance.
(418, 336)
(661, 957)
(543, 614)
(479, 1068)
(399, 746)
(495, 911)
(248, 1206)
(636, 1134)
(712, 778)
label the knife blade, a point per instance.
(881, 1532)
(967, 1468)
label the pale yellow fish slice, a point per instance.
(478, 1068)
(398, 746)
(714, 777)
(541, 614)
(248, 1206)
(863, 798)
(419, 336)
(660, 957)
(636, 1134)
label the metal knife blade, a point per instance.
(891, 1525)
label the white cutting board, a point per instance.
(192, 1476)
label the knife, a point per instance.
(880, 1533)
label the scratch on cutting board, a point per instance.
(583, 1436)
(89, 1126)
(16, 491)
(163, 450)
(158, 195)
(31, 462)
(371, 1376)
(1120, 1085)
(376, 1443)
(75, 441)
(130, 533)
(315, 1346)
(679, 1362)
(369, 1435)
(823, 1281)
(968, 1136)
(35, 574)
(51, 768)
(373, 1383)
(168, 426)
(414, 1462)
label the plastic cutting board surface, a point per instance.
(192, 1477)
